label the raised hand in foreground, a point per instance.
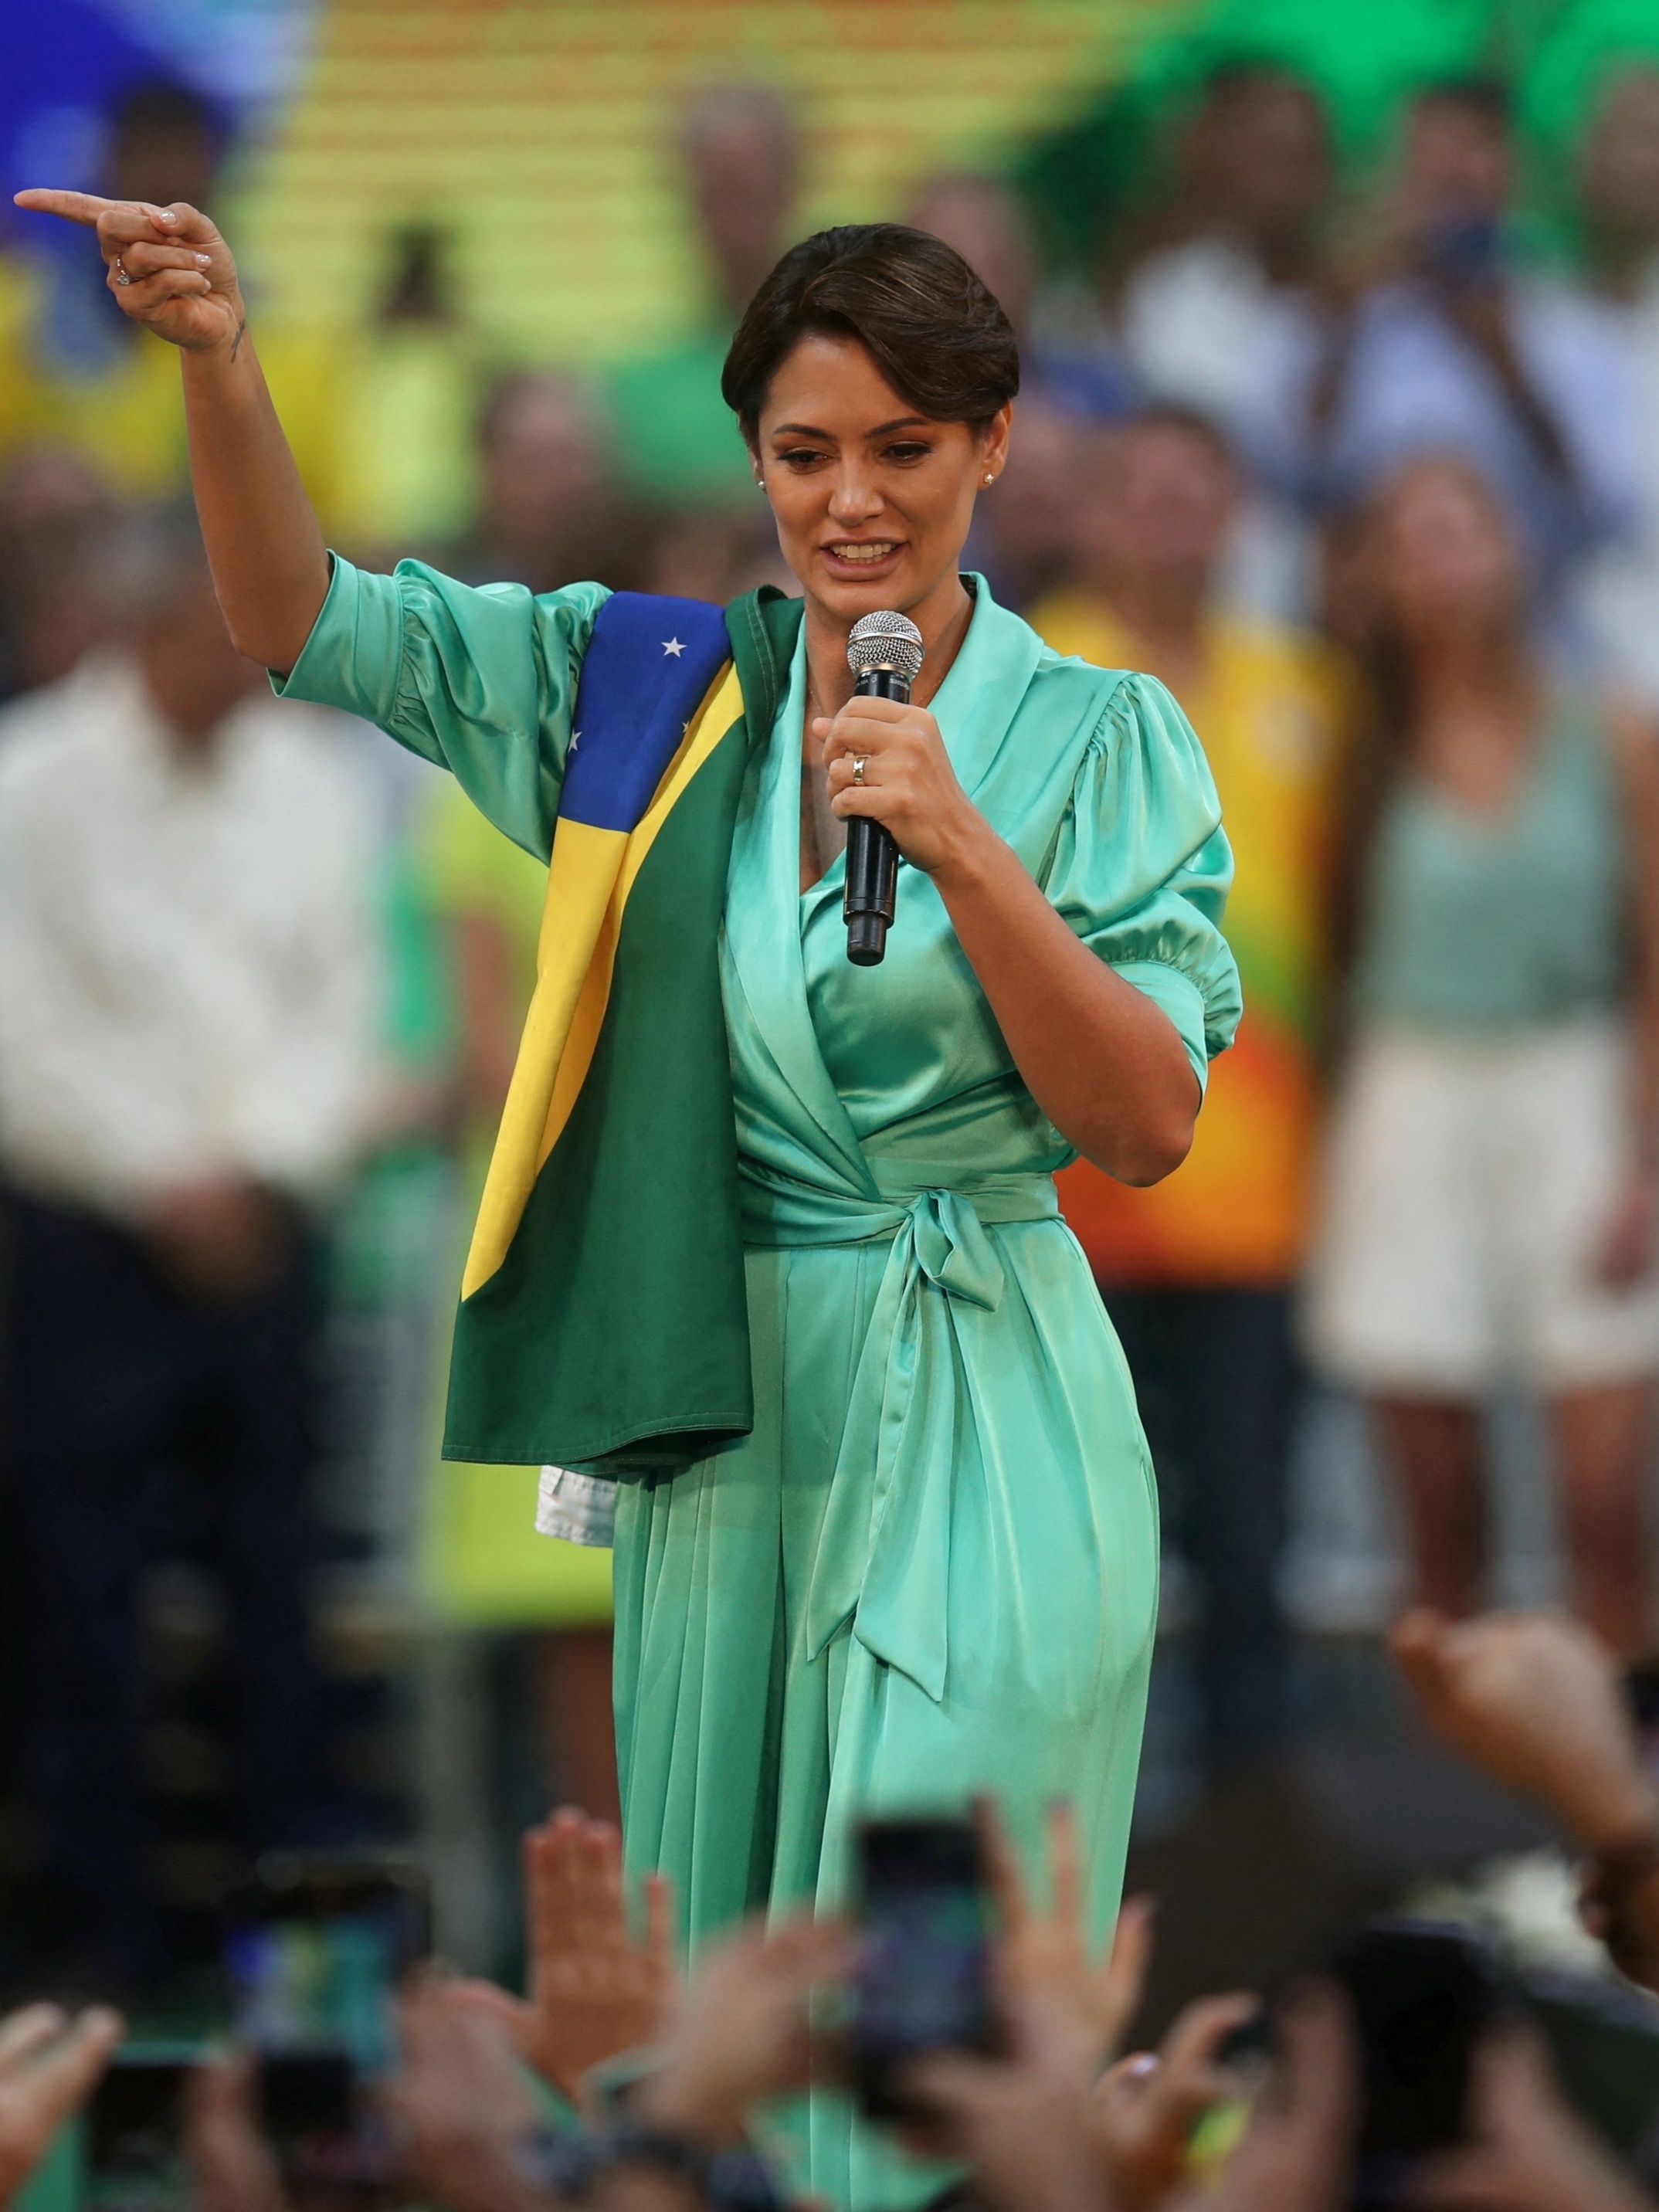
(1144, 2110)
(594, 1990)
(1046, 1955)
(461, 2106)
(48, 2069)
(167, 267)
(1533, 1700)
(234, 2166)
(1297, 2154)
(1527, 2152)
(742, 2032)
(457, 2107)
(1021, 2123)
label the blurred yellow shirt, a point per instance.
(485, 1564)
(470, 869)
(1270, 710)
(127, 418)
(404, 474)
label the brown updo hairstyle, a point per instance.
(910, 300)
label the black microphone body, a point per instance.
(885, 652)
(872, 857)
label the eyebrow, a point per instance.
(810, 430)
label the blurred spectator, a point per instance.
(408, 386)
(550, 513)
(717, 556)
(1255, 177)
(1490, 1214)
(490, 893)
(99, 383)
(84, 375)
(981, 217)
(188, 1013)
(1225, 319)
(678, 444)
(1022, 538)
(165, 143)
(1619, 181)
(549, 510)
(488, 1570)
(1618, 186)
(1447, 349)
(1198, 1270)
(54, 513)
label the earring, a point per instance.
(990, 480)
(760, 483)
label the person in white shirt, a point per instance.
(189, 1006)
(1619, 198)
(1328, 375)
(1452, 348)
(1223, 320)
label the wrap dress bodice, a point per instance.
(883, 1103)
(873, 1104)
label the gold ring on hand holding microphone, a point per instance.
(859, 762)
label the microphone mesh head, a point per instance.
(886, 640)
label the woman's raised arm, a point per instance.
(170, 271)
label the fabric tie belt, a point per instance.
(883, 1551)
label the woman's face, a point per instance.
(1445, 561)
(873, 499)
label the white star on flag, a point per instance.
(575, 739)
(672, 644)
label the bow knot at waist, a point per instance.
(943, 1225)
(883, 1548)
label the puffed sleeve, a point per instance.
(1141, 867)
(481, 680)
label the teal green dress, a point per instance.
(931, 1569)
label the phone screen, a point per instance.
(315, 1952)
(135, 2131)
(922, 1979)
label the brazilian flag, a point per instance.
(602, 1320)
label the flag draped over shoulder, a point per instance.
(602, 1320)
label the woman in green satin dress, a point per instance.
(932, 1568)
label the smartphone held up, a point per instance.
(922, 1982)
(315, 1949)
(135, 2154)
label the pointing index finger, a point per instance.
(74, 207)
(125, 221)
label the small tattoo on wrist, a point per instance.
(236, 342)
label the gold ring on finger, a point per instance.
(121, 276)
(859, 763)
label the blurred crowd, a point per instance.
(1419, 2064)
(1370, 485)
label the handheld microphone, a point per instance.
(885, 652)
